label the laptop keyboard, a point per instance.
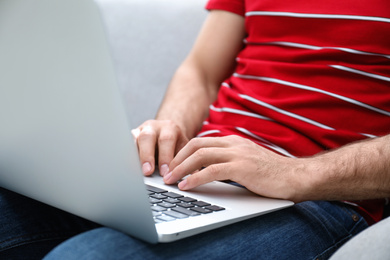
(169, 206)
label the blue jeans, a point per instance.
(29, 229)
(309, 230)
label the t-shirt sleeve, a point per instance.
(234, 6)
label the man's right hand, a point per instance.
(158, 140)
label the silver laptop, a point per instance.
(65, 139)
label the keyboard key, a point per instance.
(158, 196)
(186, 211)
(201, 210)
(158, 208)
(166, 205)
(201, 203)
(172, 200)
(173, 195)
(187, 199)
(185, 205)
(175, 214)
(154, 201)
(155, 189)
(165, 218)
(156, 213)
(214, 208)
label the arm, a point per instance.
(357, 171)
(192, 89)
(195, 84)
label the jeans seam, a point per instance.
(351, 211)
(339, 243)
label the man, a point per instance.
(291, 101)
(356, 171)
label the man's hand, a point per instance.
(357, 171)
(238, 159)
(158, 137)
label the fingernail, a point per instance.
(164, 169)
(146, 168)
(182, 185)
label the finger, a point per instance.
(181, 143)
(146, 141)
(194, 145)
(135, 132)
(201, 158)
(166, 149)
(215, 172)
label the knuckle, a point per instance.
(194, 143)
(177, 129)
(194, 180)
(147, 133)
(200, 154)
(234, 138)
(168, 124)
(167, 137)
(147, 124)
(214, 171)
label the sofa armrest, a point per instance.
(149, 39)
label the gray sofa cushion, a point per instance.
(149, 39)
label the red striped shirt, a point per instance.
(313, 76)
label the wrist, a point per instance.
(305, 179)
(323, 178)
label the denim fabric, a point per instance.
(29, 229)
(309, 230)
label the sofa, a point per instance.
(148, 40)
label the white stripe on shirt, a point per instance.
(295, 85)
(367, 74)
(321, 16)
(239, 112)
(313, 47)
(369, 135)
(284, 112)
(208, 133)
(265, 142)
(224, 84)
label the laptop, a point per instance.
(65, 139)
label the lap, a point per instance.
(29, 229)
(309, 230)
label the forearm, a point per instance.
(187, 99)
(357, 171)
(192, 89)
(212, 59)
